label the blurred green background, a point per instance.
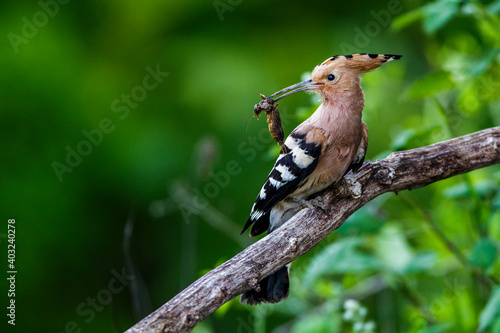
(107, 167)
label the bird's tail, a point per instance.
(273, 289)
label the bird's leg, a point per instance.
(351, 184)
(311, 204)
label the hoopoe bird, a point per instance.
(316, 154)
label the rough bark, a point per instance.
(400, 171)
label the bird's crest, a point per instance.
(361, 62)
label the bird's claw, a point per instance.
(311, 204)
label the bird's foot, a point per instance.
(311, 204)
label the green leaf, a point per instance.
(322, 322)
(396, 254)
(431, 84)
(339, 257)
(421, 261)
(406, 19)
(484, 253)
(437, 329)
(494, 7)
(437, 14)
(363, 221)
(483, 189)
(495, 328)
(495, 203)
(491, 311)
(479, 66)
(407, 139)
(393, 250)
(401, 141)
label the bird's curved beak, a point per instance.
(304, 85)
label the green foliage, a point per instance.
(317, 322)
(491, 312)
(396, 254)
(437, 329)
(346, 258)
(185, 163)
(484, 254)
(437, 14)
(431, 84)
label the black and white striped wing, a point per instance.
(288, 173)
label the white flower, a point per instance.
(357, 327)
(348, 315)
(351, 304)
(369, 326)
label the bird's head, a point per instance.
(338, 74)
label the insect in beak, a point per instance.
(273, 116)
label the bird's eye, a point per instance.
(330, 77)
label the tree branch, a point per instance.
(399, 171)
